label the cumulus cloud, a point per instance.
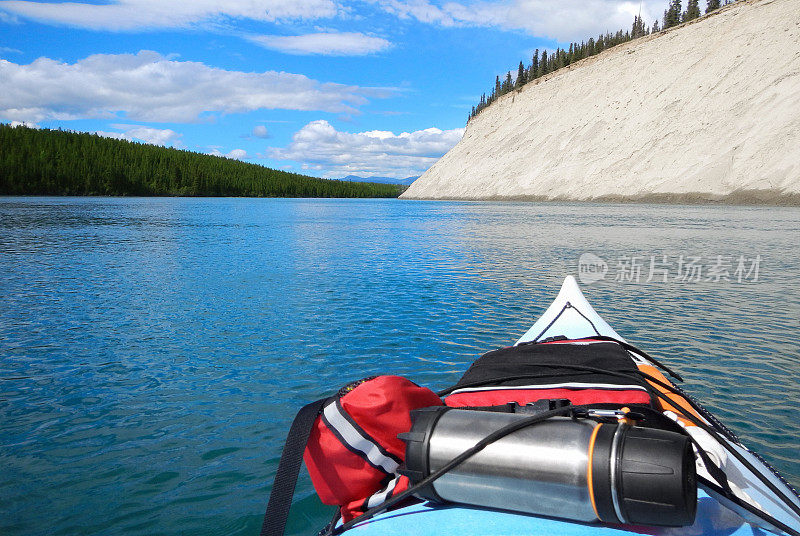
(319, 146)
(236, 154)
(324, 43)
(154, 136)
(125, 15)
(260, 131)
(8, 18)
(23, 124)
(150, 87)
(564, 20)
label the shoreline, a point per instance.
(758, 198)
(755, 198)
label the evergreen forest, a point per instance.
(58, 162)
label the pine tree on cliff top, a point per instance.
(558, 61)
(521, 75)
(638, 27)
(712, 5)
(692, 10)
(672, 16)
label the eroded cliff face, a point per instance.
(707, 111)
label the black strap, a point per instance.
(280, 498)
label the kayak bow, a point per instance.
(739, 493)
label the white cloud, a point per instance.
(23, 124)
(422, 10)
(319, 146)
(236, 154)
(563, 20)
(150, 87)
(8, 18)
(154, 136)
(260, 131)
(324, 43)
(9, 50)
(114, 135)
(125, 15)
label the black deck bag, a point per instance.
(583, 372)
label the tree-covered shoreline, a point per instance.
(57, 162)
(544, 64)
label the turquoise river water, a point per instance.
(153, 352)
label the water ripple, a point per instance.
(153, 352)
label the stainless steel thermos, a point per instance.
(577, 469)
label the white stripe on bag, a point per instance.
(356, 441)
(605, 386)
(382, 495)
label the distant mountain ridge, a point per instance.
(383, 180)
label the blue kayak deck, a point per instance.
(429, 519)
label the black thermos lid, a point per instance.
(656, 478)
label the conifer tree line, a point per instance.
(544, 63)
(56, 162)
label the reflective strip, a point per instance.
(608, 386)
(577, 343)
(356, 440)
(381, 496)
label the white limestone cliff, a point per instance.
(706, 111)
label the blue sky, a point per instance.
(324, 87)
